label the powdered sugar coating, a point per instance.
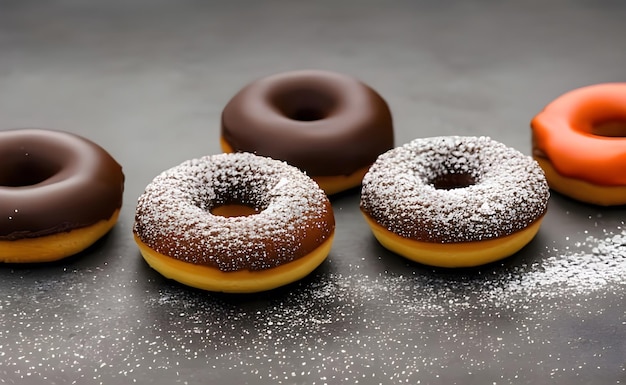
(509, 190)
(173, 215)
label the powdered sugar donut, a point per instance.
(234, 223)
(454, 201)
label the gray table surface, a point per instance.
(147, 80)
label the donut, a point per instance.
(331, 126)
(454, 201)
(59, 193)
(236, 223)
(579, 140)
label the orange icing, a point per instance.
(583, 134)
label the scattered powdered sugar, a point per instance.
(173, 215)
(507, 323)
(579, 272)
(503, 190)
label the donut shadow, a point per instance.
(155, 280)
(349, 193)
(311, 306)
(570, 224)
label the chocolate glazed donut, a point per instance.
(327, 124)
(52, 183)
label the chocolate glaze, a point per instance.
(53, 181)
(325, 123)
(454, 189)
(175, 217)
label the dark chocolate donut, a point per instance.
(53, 182)
(325, 123)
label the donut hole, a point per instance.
(610, 128)
(451, 181)
(237, 196)
(304, 104)
(234, 210)
(26, 171)
(455, 169)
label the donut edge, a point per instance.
(57, 246)
(242, 281)
(454, 255)
(582, 190)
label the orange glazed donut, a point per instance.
(329, 125)
(236, 223)
(454, 201)
(59, 193)
(579, 140)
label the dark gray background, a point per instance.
(147, 80)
